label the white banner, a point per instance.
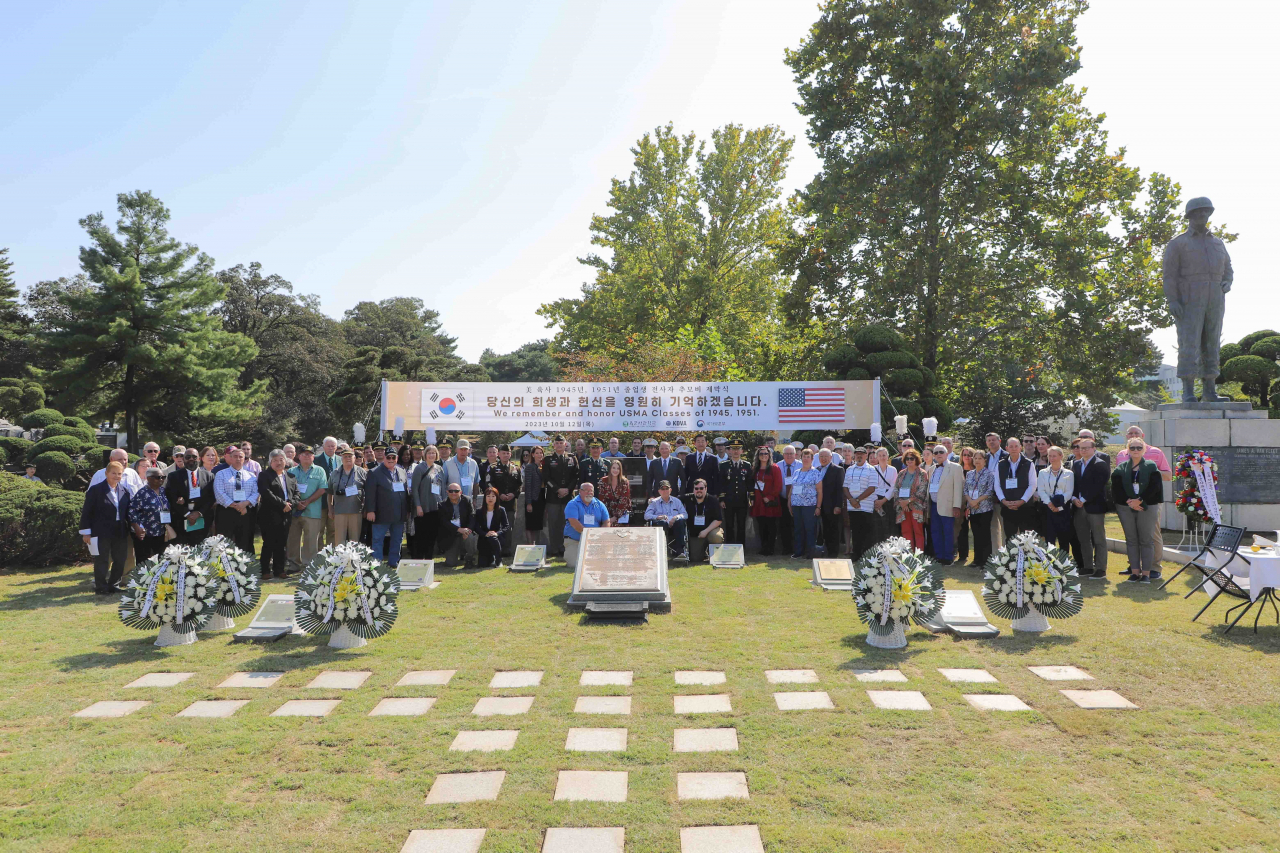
(631, 406)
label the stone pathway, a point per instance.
(597, 786)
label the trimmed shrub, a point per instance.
(69, 444)
(857, 373)
(54, 467)
(871, 339)
(16, 447)
(877, 363)
(85, 434)
(4, 456)
(10, 401)
(904, 381)
(1268, 348)
(13, 482)
(913, 410)
(41, 418)
(1247, 342)
(935, 408)
(841, 360)
(1229, 351)
(1254, 374)
(930, 379)
(72, 420)
(38, 526)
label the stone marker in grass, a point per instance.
(444, 841)
(879, 675)
(339, 680)
(584, 840)
(711, 786)
(791, 676)
(814, 700)
(111, 709)
(426, 678)
(712, 703)
(213, 708)
(516, 678)
(971, 676)
(1098, 699)
(721, 839)
(899, 700)
(699, 677)
(596, 740)
(605, 678)
(996, 702)
(251, 679)
(466, 787)
(160, 679)
(489, 706)
(1061, 673)
(402, 707)
(484, 741)
(603, 705)
(600, 786)
(306, 708)
(706, 740)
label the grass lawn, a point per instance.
(1194, 769)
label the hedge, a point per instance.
(871, 339)
(54, 467)
(16, 447)
(903, 381)
(841, 360)
(1228, 352)
(935, 408)
(41, 418)
(39, 525)
(880, 362)
(69, 444)
(83, 433)
(1268, 348)
(1247, 342)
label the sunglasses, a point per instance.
(455, 491)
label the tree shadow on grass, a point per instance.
(68, 589)
(140, 647)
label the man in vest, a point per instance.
(1015, 483)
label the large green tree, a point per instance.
(690, 241)
(300, 353)
(15, 344)
(968, 198)
(532, 362)
(143, 343)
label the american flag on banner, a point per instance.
(811, 405)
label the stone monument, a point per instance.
(621, 569)
(1243, 441)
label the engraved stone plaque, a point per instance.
(529, 558)
(273, 620)
(727, 556)
(833, 574)
(621, 564)
(415, 574)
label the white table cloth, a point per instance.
(1260, 573)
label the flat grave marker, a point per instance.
(394, 706)
(214, 708)
(791, 676)
(484, 741)
(444, 841)
(306, 708)
(727, 556)
(712, 786)
(899, 700)
(880, 675)
(721, 839)
(490, 706)
(273, 621)
(515, 678)
(596, 740)
(605, 678)
(706, 740)
(426, 678)
(816, 700)
(833, 574)
(602, 705)
(962, 615)
(251, 679)
(704, 678)
(466, 787)
(996, 702)
(339, 679)
(598, 786)
(584, 840)
(703, 703)
(111, 709)
(1098, 699)
(969, 676)
(160, 679)
(1061, 673)
(529, 558)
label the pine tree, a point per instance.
(143, 341)
(14, 326)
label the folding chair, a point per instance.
(1239, 588)
(1221, 539)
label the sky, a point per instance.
(457, 151)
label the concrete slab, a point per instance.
(712, 786)
(337, 679)
(466, 787)
(706, 740)
(516, 678)
(971, 676)
(791, 676)
(721, 839)
(879, 675)
(489, 706)
(213, 708)
(402, 707)
(426, 678)
(996, 702)
(251, 679)
(598, 786)
(703, 677)
(444, 841)
(1098, 699)
(596, 740)
(899, 700)
(602, 705)
(485, 741)
(160, 679)
(306, 708)
(605, 678)
(111, 709)
(1061, 673)
(713, 703)
(808, 701)
(584, 840)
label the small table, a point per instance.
(1262, 572)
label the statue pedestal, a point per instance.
(1244, 442)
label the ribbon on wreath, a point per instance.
(1208, 492)
(333, 584)
(150, 597)
(1022, 563)
(888, 589)
(181, 593)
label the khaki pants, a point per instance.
(304, 540)
(698, 544)
(997, 530)
(346, 527)
(571, 550)
(328, 530)
(461, 550)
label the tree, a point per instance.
(142, 341)
(15, 345)
(300, 354)
(968, 199)
(1254, 373)
(690, 239)
(530, 363)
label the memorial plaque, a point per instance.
(621, 564)
(635, 470)
(272, 622)
(727, 556)
(962, 615)
(1246, 475)
(833, 574)
(415, 574)
(529, 558)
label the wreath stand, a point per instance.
(170, 637)
(895, 639)
(218, 622)
(1033, 623)
(343, 638)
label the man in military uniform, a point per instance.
(735, 494)
(490, 460)
(560, 476)
(721, 445)
(702, 464)
(594, 468)
(446, 451)
(1197, 277)
(505, 477)
(379, 451)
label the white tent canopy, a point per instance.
(537, 438)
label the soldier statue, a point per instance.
(1197, 276)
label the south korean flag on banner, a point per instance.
(443, 406)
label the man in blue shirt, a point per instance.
(580, 513)
(670, 514)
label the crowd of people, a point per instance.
(437, 500)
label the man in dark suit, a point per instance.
(456, 519)
(832, 502)
(1092, 476)
(702, 464)
(189, 488)
(105, 518)
(666, 467)
(277, 496)
(736, 487)
(386, 506)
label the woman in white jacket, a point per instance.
(1055, 485)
